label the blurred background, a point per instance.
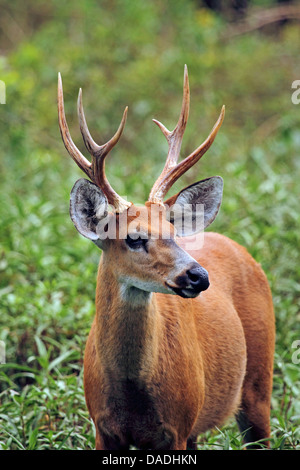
(244, 54)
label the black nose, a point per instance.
(198, 278)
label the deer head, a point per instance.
(140, 242)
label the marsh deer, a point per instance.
(163, 363)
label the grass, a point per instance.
(48, 272)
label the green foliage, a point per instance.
(132, 53)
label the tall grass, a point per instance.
(133, 53)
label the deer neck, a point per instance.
(127, 325)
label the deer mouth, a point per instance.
(185, 292)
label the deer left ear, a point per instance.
(207, 193)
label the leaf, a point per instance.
(33, 439)
(40, 347)
(59, 359)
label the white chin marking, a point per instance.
(190, 293)
(134, 295)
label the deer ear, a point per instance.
(200, 199)
(88, 206)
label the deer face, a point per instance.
(140, 243)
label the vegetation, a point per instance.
(132, 53)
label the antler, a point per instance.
(95, 170)
(173, 170)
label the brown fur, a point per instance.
(160, 369)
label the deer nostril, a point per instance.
(198, 278)
(193, 275)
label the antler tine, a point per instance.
(99, 152)
(95, 170)
(74, 152)
(175, 173)
(95, 149)
(173, 170)
(175, 137)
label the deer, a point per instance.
(182, 339)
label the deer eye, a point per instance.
(135, 242)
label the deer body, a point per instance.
(181, 339)
(176, 367)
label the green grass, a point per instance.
(133, 53)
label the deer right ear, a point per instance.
(88, 206)
(207, 193)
